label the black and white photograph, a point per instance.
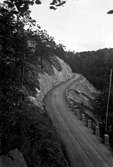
(56, 83)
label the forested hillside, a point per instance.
(28, 59)
(24, 53)
(94, 65)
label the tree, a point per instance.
(22, 5)
(14, 15)
(110, 12)
(15, 57)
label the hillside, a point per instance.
(29, 128)
(32, 116)
(29, 68)
(94, 65)
(31, 65)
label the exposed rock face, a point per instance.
(82, 92)
(47, 81)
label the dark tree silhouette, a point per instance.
(18, 129)
(110, 12)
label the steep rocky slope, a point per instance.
(48, 81)
(82, 92)
(80, 96)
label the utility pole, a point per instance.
(108, 100)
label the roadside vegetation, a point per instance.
(30, 130)
(23, 125)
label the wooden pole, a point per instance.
(89, 123)
(108, 100)
(106, 139)
(97, 131)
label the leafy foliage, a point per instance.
(34, 135)
(16, 57)
(22, 125)
(56, 3)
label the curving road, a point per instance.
(83, 148)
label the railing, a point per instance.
(88, 119)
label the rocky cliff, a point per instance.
(47, 81)
(82, 91)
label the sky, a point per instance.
(80, 25)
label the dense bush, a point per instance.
(22, 125)
(33, 134)
(20, 64)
